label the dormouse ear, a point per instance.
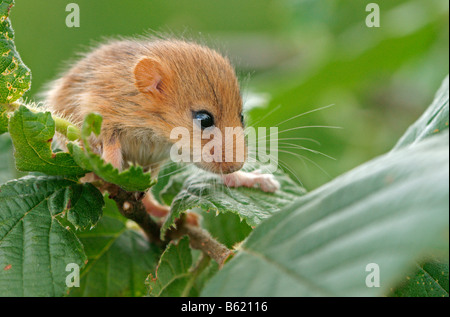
(148, 76)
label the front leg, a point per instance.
(112, 153)
(266, 182)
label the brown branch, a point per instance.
(200, 239)
(130, 206)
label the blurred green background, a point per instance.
(292, 56)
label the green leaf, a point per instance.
(430, 280)
(388, 211)
(35, 247)
(175, 276)
(172, 276)
(7, 168)
(15, 77)
(119, 258)
(83, 202)
(197, 188)
(168, 171)
(434, 120)
(32, 135)
(4, 119)
(227, 228)
(208, 272)
(132, 179)
(171, 179)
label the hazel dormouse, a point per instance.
(146, 88)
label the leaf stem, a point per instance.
(63, 126)
(66, 128)
(202, 264)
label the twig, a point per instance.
(200, 239)
(130, 206)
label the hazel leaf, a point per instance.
(32, 135)
(197, 188)
(35, 245)
(132, 179)
(15, 77)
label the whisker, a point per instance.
(301, 139)
(304, 113)
(303, 127)
(296, 146)
(265, 116)
(304, 157)
(160, 162)
(174, 172)
(284, 165)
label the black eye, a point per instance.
(205, 119)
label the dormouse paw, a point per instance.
(266, 182)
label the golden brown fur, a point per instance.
(144, 89)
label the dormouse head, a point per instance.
(193, 96)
